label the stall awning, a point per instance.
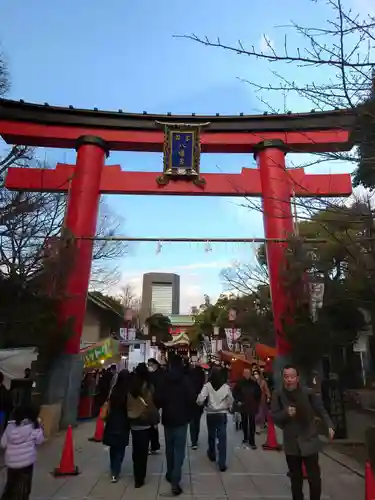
(265, 352)
(230, 357)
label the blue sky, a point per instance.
(122, 54)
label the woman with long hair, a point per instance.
(142, 415)
(117, 427)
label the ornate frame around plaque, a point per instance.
(182, 150)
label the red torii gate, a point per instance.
(95, 133)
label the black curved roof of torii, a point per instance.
(70, 116)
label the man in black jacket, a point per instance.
(175, 396)
(155, 377)
(247, 396)
(6, 404)
(197, 378)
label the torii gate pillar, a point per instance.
(81, 217)
(80, 220)
(278, 223)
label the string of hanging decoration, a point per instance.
(207, 242)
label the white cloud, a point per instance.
(365, 6)
(266, 44)
(216, 264)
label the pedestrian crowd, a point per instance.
(178, 395)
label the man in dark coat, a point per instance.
(247, 396)
(175, 396)
(156, 374)
(6, 404)
(295, 410)
(197, 377)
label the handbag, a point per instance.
(104, 411)
(150, 414)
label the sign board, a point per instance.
(177, 331)
(232, 335)
(104, 350)
(127, 334)
(334, 404)
(182, 150)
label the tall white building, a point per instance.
(160, 294)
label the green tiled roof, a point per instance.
(181, 319)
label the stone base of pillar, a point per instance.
(64, 386)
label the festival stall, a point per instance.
(95, 357)
(238, 363)
(267, 354)
(14, 361)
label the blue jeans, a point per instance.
(175, 447)
(116, 457)
(217, 428)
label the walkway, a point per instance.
(255, 475)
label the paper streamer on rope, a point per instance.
(142, 349)
(316, 298)
(207, 345)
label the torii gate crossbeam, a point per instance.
(95, 133)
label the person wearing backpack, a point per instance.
(295, 410)
(142, 414)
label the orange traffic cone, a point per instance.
(99, 430)
(67, 467)
(369, 483)
(271, 443)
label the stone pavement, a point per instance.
(255, 475)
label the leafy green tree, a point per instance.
(337, 322)
(30, 318)
(159, 326)
(253, 316)
(344, 261)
